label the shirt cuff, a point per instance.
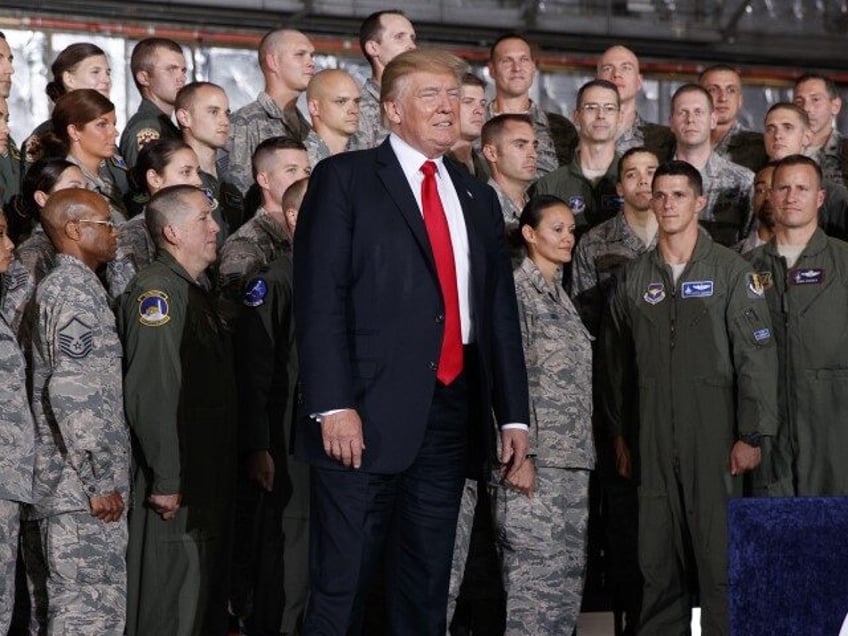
(318, 417)
(517, 425)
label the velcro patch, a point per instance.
(577, 205)
(697, 289)
(754, 286)
(255, 292)
(75, 339)
(806, 276)
(655, 293)
(153, 309)
(762, 334)
(145, 136)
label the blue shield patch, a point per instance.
(75, 339)
(153, 309)
(255, 292)
(697, 289)
(577, 205)
(808, 276)
(655, 293)
(611, 202)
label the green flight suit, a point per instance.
(700, 358)
(146, 125)
(808, 305)
(179, 393)
(266, 360)
(10, 185)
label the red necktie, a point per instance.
(450, 358)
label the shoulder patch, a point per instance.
(145, 136)
(153, 309)
(75, 339)
(765, 280)
(754, 286)
(577, 205)
(655, 293)
(255, 292)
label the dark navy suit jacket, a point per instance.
(369, 312)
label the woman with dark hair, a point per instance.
(84, 133)
(161, 163)
(542, 510)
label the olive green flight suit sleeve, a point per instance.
(616, 346)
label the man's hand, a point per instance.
(622, 457)
(107, 508)
(342, 435)
(524, 479)
(260, 469)
(514, 445)
(166, 505)
(743, 457)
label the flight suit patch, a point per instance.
(765, 280)
(697, 289)
(255, 292)
(655, 293)
(153, 310)
(577, 205)
(754, 286)
(145, 136)
(806, 276)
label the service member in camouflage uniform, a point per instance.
(727, 186)
(82, 442)
(180, 403)
(513, 68)
(542, 511)
(203, 113)
(730, 139)
(691, 344)
(285, 58)
(818, 96)
(266, 363)
(383, 36)
(158, 69)
(16, 437)
(803, 275)
(333, 101)
(619, 65)
(588, 183)
(277, 164)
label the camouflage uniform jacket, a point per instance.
(82, 446)
(252, 124)
(17, 431)
(37, 257)
(103, 184)
(727, 216)
(546, 155)
(558, 351)
(317, 148)
(511, 212)
(591, 204)
(371, 131)
(602, 252)
(743, 147)
(833, 158)
(257, 243)
(136, 250)
(18, 288)
(656, 138)
(148, 124)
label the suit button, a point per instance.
(433, 366)
(440, 318)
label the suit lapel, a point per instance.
(394, 180)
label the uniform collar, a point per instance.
(816, 245)
(534, 275)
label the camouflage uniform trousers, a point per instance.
(543, 541)
(462, 542)
(87, 581)
(10, 515)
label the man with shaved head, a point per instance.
(619, 65)
(180, 405)
(82, 452)
(287, 64)
(333, 101)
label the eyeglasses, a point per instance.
(110, 224)
(594, 109)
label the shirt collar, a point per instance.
(411, 159)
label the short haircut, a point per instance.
(188, 93)
(717, 68)
(424, 60)
(470, 79)
(534, 209)
(494, 128)
(166, 207)
(692, 88)
(638, 150)
(597, 83)
(68, 60)
(68, 205)
(677, 168)
(371, 29)
(829, 84)
(268, 147)
(512, 36)
(321, 78)
(155, 155)
(805, 119)
(144, 52)
(293, 196)
(800, 160)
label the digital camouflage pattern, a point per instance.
(136, 250)
(728, 214)
(371, 130)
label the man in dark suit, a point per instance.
(408, 337)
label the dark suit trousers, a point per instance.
(408, 518)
